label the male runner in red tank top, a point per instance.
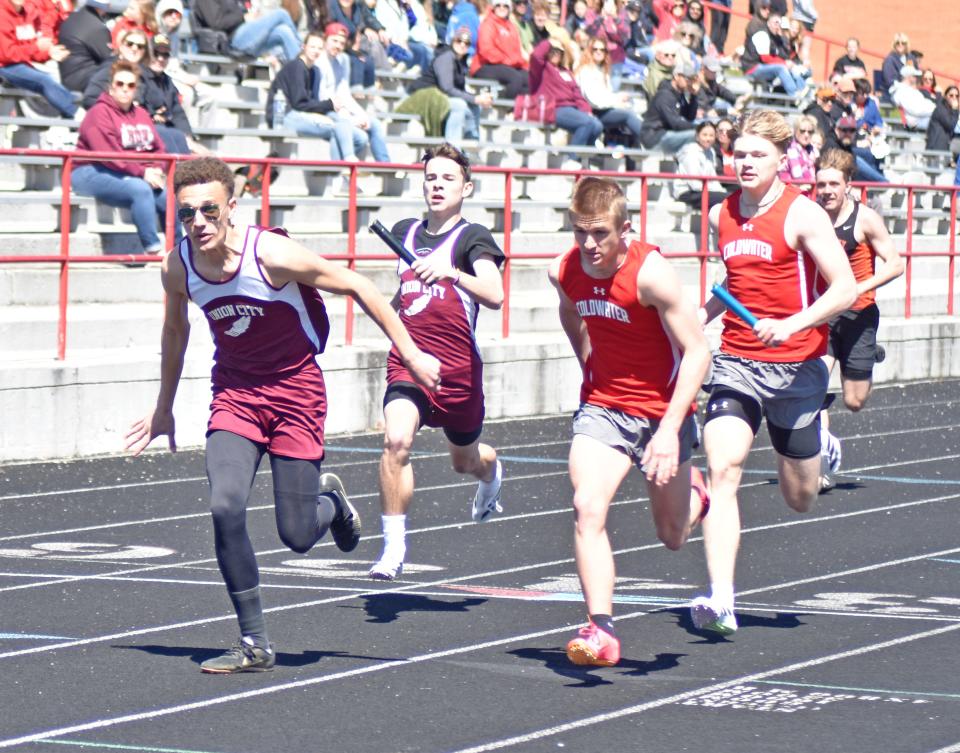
(775, 244)
(643, 358)
(457, 270)
(853, 333)
(258, 290)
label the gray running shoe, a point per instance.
(345, 526)
(246, 656)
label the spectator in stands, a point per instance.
(665, 59)
(668, 121)
(851, 64)
(316, 86)
(915, 107)
(466, 13)
(406, 27)
(822, 109)
(87, 39)
(688, 35)
(720, 24)
(577, 19)
(798, 45)
(802, 154)
(22, 43)
(523, 20)
(265, 31)
(865, 108)
(713, 98)
(140, 15)
(944, 125)
(726, 135)
(365, 43)
(613, 27)
(928, 85)
(844, 136)
(132, 47)
(499, 54)
(440, 97)
(669, 15)
(611, 107)
(638, 49)
(159, 96)
(765, 56)
(551, 77)
(541, 27)
(702, 44)
(894, 61)
(53, 13)
(843, 102)
(116, 124)
(698, 158)
(169, 20)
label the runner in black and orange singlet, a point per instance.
(258, 290)
(853, 333)
(643, 358)
(777, 246)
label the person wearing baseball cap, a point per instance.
(668, 121)
(916, 107)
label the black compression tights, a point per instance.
(302, 516)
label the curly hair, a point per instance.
(203, 170)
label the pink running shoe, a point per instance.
(593, 647)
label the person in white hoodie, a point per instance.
(407, 26)
(612, 108)
(916, 108)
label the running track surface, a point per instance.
(850, 615)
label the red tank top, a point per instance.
(863, 259)
(633, 363)
(770, 278)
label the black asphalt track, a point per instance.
(850, 615)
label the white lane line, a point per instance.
(263, 472)
(495, 745)
(229, 698)
(678, 697)
(948, 749)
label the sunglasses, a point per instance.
(600, 49)
(161, 55)
(847, 130)
(668, 54)
(125, 85)
(136, 45)
(805, 130)
(209, 211)
(462, 40)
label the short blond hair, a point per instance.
(769, 125)
(599, 197)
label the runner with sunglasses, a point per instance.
(259, 292)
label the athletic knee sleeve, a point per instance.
(798, 444)
(727, 402)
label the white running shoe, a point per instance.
(707, 615)
(386, 568)
(487, 499)
(831, 450)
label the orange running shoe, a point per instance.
(593, 647)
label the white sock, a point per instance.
(722, 594)
(394, 536)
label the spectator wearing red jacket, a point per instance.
(116, 124)
(27, 38)
(500, 53)
(550, 76)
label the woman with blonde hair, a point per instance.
(140, 15)
(898, 57)
(802, 154)
(611, 107)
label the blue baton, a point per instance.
(731, 302)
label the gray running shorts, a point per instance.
(791, 394)
(629, 434)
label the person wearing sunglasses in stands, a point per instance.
(133, 48)
(115, 124)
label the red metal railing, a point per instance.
(703, 255)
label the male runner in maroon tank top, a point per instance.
(457, 270)
(775, 244)
(853, 333)
(643, 357)
(258, 290)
